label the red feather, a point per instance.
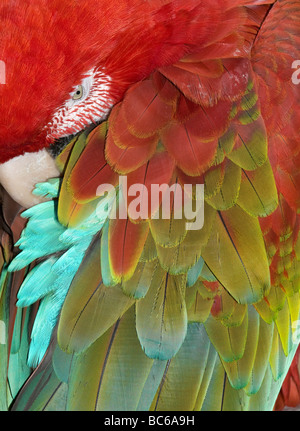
(198, 154)
(91, 170)
(126, 242)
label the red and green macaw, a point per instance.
(143, 313)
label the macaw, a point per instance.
(105, 302)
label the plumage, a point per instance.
(112, 300)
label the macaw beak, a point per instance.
(20, 174)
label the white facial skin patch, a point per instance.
(89, 103)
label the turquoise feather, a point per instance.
(49, 189)
(19, 370)
(40, 237)
(38, 283)
(64, 249)
(194, 273)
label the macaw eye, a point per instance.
(78, 93)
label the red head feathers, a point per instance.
(68, 61)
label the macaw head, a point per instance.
(68, 62)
